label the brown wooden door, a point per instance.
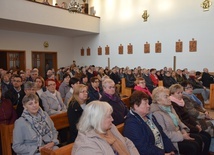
(44, 61)
(12, 60)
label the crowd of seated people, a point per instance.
(99, 85)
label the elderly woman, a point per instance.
(140, 85)
(198, 88)
(166, 116)
(34, 130)
(195, 108)
(178, 104)
(98, 136)
(29, 88)
(143, 129)
(51, 99)
(76, 106)
(109, 95)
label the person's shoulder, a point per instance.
(44, 94)
(20, 121)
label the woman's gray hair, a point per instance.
(93, 116)
(108, 80)
(29, 85)
(30, 97)
(156, 92)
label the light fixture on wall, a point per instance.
(74, 6)
(145, 16)
(206, 5)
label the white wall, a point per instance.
(28, 42)
(121, 23)
(169, 20)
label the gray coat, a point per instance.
(63, 89)
(25, 139)
(91, 144)
(51, 105)
(164, 119)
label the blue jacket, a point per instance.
(141, 135)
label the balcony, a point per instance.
(34, 17)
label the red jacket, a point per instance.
(154, 79)
(7, 112)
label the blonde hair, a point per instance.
(173, 88)
(93, 116)
(75, 96)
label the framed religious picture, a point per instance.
(107, 50)
(158, 47)
(130, 48)
(99, 50)
(120, 49)
(82, 52)
(179, 46)
(88, 51)
(193, 45)
(146, 47)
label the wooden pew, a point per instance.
(126, 101)
(211, 105)
(6, 138)
(160, 83)
(67, 149)
(125, 90)
(60, 122)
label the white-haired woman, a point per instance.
(109, 95)
(97, 135)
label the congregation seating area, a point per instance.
(60, 122)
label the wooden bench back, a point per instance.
(126, 101)
(211, 96)
(125, 90)
(160, 83)
(67, 149)
(60, 121)
(6, 138)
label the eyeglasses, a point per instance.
(16, 81)
(54, 84)
(189, 87)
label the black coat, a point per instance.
(74, 113)
(119, 109)
(93, 94)
(14, 96)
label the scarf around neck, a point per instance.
(169, 111)
(39, 125)
(181, 102)
(118, 147)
